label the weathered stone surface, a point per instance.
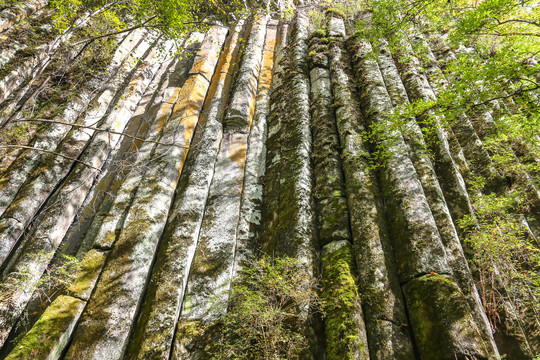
(87, 278)
(38, 61)
(51, 333)
(252, 192)
(473, 149)
(293, 232)
(440, 316)
(157, 115)
(82, 232)
(108, 319)
(154, 334)
(291, 170)
(345, 329)
(28, 160)
(384, 312)
(419, 249)
(206, 296)
(456, 195)
(52, 169)
(31, 258)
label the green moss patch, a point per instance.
(342, 302)
(441, 319)
(90, 269)
(334, 12)
(50, 334)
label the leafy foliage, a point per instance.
(271, 303)
(494, 80)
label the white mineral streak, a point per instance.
(154, 335)
(206, 296)
(33, 256)
(107, 322)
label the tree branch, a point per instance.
(94, 129)
(115, 32)
(48, 152)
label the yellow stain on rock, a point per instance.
(238, 149)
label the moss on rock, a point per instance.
(441, 319)
(50, 334)
(334, 12)
(345, 329)
(90, 269)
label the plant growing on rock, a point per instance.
(271, 303)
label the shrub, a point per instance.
(271, 302)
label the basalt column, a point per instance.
(438, 310)
(157, 321)
(344, 321)
(384, 310)
(206, 296)
(179, 163)
(106, 324)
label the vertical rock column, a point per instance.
(154, 334)
(206, 295)
(456, 193)
(31, 259)
(59, 319)
(68, 310)
(289, 228)
(288, 218)
(108, 320)
(252, 194)
(79, 238)
(422, 86)
(106, 228)
(51, 169)
(384, 310)
(344, 322)
(439, 312)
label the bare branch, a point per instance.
(48, 152)
(96, 129)
(115, 32)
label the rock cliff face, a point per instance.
(162, 175)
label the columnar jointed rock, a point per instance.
(37, 62)
(252, 193)
(456, 193)
(48, 139)
(384, 311)
(418, 246)
(343, 313)
(159, 113)
(32, 257)
(53, 168)
(154, 334)
(273, 149)
(94, 260)
(291, 232)
(211, 270)
(108, 319)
